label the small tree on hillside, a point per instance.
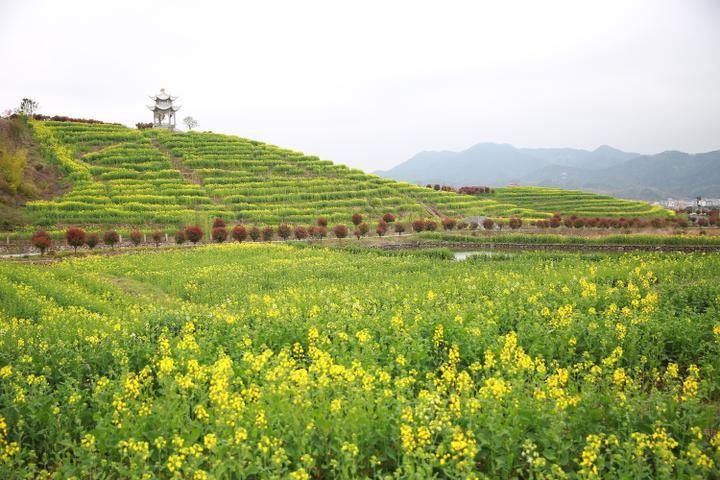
(41, 240)
(284, 231)
(430, 225)
(28, 107)
(399, 228)
(239, 233)
(356, 219)
(319, 232)
(157, 237)
(136, 237)
(322, 222)
(180, 237)
(488, 224)
(219, 234)
(268, 233)
(448, 223)
(340, 231)
(364, 228)
(111, 238)
(388, 218)
(357, 233)
(301, 232)
(219, 222)
(190, 122)
(193, 233)
(515, 223)
(381, 229)
(254, 233)
(75, 237)
(92, 240)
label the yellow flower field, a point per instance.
(278, 361)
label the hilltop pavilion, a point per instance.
(163, 110)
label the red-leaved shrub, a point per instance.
(319, 232)
(157, 237)
(239, 233)
(284, 231)
(75, 237)
(430, 225)
(322, 222)
(219, 222)
(254, 233)
(41, 240)
(418, 225)
(219, 234)
(268, 233)
(136, 237)
(448, 223)
(193, 233)
(399, 227)
(111, 238)
(515, 223)
(92, 240)
(180, 237)
(356, 219)
(388, 218)
(340, 231)
(301, 232)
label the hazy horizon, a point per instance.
(374, 83)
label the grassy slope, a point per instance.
(125, 176)
(24, 175)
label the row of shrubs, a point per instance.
(601, 222)
(63, 118)
(77, 237)
(467, 190)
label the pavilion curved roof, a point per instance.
(169, 108)
(163, 96)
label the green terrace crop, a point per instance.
(572, 202)
(150, 177)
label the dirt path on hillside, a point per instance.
(186, 172)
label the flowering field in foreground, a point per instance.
(262, 361)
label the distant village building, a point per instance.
(708, 202)
(696, 204)
(163, 110)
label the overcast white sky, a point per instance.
(371, 83)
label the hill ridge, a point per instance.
(151, 177)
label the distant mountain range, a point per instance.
(604, 170)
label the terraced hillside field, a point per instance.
(125, 176)
(574, 202)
